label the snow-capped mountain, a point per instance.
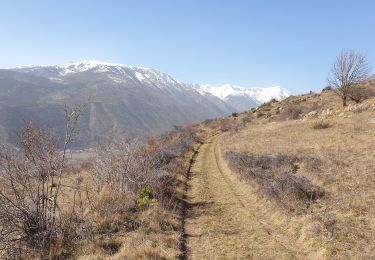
(118, 73)
(242, 98)
(123, 99)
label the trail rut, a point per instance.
(221, 222)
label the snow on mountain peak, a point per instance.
(98, 66)
(258, 95)
(118, 73)
(240, 98)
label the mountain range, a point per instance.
(243, 98)
(123, 99)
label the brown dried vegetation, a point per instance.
(336, 160)
(276, 176)
(130, 188)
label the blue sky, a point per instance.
(250, 43)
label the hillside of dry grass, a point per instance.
(302, 145)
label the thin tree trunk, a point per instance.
(344, 101)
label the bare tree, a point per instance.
(349, 69)
(30, 188)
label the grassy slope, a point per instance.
(342, 223)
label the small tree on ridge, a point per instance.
(349, 69)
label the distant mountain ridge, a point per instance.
(243, 98)
(117, 72)
(124, 99)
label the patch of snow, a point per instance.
(56, 79)
(140, 76)
(261, 95)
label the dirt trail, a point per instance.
(221, 222)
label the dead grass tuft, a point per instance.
(140, 252)
(321, 125)
(110, 247)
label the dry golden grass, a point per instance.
(342, 224)
(157, 234)
(222, 221)
(157, 231)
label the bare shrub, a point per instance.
(276, 177)
(247, 119)
(31, 216)
(120, 170)
(128, 165)
(360, 108)
(122, 167)
(292, 112)
(328, 220)
(110, 246)
(226, 125)
(326, 89)
(295, 111)
(234, 114)
(273, 100)
(321, 125)
(260, 114)
(229, 124)
(134, 180)
(359, 93)
(312, 163)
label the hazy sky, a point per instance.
(250, 43)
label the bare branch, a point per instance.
(350, 69)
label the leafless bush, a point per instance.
(360, 108)
(291, 112)
(226, 125)
(312, 163)
(359, 93)
(247, 119)
(30, 189)
(328, 220)
(110, 246)
(259, 114)
(266, 106)
(293, 187)
(273, 100)
(296, 111)
(122, 166)
(326, 89)
(131, 177)
(321, 125)
(276, 177)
